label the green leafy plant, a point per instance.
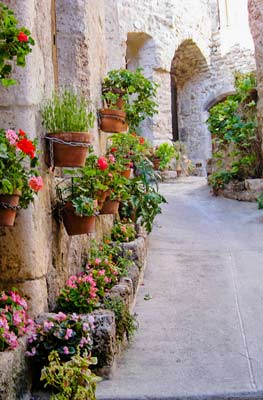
(72, 380)
(137, 91)
(165, 152)
(15, 45)
(123, 232)
(18, 166)
(62, 333)
(67, 111)
(237, 143)
(260, 201)
(126, 323)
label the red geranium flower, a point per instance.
(27, 147)
(22, 37)
(102, 163)
(22, 133)
(141, 140)
(36, 183)
(113, 149)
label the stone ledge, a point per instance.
(168, 176)
(247, 190)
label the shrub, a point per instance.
(123, 232)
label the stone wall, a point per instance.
(36, 255)
(217, 49)
(256, 24)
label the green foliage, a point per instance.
(123, 232)
(165, 152)
(260, 201)
(233, 125)
(66, 334)
(84, 206)
(12, 50)
(17, 166)
(67, 111)
(125, 322)
(218, 180)
(72, 380)
(138, 93)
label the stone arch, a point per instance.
(190, 77)
(216, 98)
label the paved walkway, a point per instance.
(201, 334)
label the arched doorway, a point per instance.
(189, 88)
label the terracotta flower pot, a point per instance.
(102, 196)
(156, 163)
(113, 121)
(67, 155)
(8, 215)
(110, 207)
(126, 173)
(75, 224)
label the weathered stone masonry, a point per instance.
(77, 42)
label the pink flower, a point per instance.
(97, 261)
(3, 296)
(106, 261)
(107, 280)
(12, 137)
(83, 341)
(111, 158)
(110, 175)
(101, 272)
(32, 352)
(86, 327)
(48, 325)
(36, 183)
(60, 317)
(68, 334)
(102, 163)
(65, 350)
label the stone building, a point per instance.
(191, 48)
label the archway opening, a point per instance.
(189, 87)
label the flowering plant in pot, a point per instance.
(19, 179)
(162, 155)
(118, 192)
(14, 321)
(123, 231)
(67, 119)
(136, 92)
(15, 45)
(77, 210)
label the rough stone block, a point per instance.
(168, 176)
(14, 382)
(138, 247)
(254, 185)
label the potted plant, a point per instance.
(19, 179)
(163, 155)
(15, 45)
(67, 120)
(77, 210)
(131, 92)
(118, 192)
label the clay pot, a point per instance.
(156, 163)
(113, 121)
(126, 173)
(102, 196)
(7, 215)
(110, 207)
(66, 155)
(75, 224)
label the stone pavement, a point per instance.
(201, 334)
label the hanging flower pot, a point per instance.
(113, 120)
(102, 196)
(68, 149)
(110, 207)
(76, 224)
(126, 173)
(156, 163)
(8, 208)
